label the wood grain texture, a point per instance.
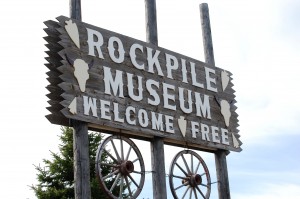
(206, 35)
(158, 168)
(222, 174)
(54, 61)
(75, 9)
(157, 143)
(220, 154)
(95, 87)
(82, 186)
(81, 160)
(151, 22)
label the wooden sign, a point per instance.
(122, 85)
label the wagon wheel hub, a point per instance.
(126, 168)
(195, 180)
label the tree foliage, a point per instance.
(56, 177)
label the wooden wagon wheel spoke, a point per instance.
(127, 184)
(121, 187)
(175, 176)
(185, 163)
(121, 147)
(135, 160)
(137, 172)
(132, 180)
(183, 171)
(114, 174)
(194, 174)
(196, 171)
(111, 174)
(128, 153)
(187, 189)
(115, 182)
(112, 157)
(195, 193)
(192, 164)
(198, 189)
(191, 191)
(181, 186)
(116, 152)
(109, 165)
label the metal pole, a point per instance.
(157, 144)
(220, 155)
(82, 187)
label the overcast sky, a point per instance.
(258, 41)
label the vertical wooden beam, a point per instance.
(80, 134)
(222, 174)
(157, 144)
(220, 155)
(75, 9)
(81, 160)
(158, 168)
(206, 34)
(151, 22)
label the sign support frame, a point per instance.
(220, 155)
(82, 188)
(157, 143)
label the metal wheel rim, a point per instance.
(191, 189)
(119, 159)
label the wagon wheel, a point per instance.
(189, 176)
(122, 175)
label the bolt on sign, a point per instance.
(122, 85)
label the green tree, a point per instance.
(56, 178)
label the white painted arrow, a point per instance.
(225, 79)
(236, 144)
(182, 125)
(72, 31)
(73, 106)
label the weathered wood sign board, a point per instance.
(122, 85)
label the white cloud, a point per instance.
(265, 66)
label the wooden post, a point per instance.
(151, 22)
(157, 144)
(222, 174)
(81, 160)
(158, 168)
(75, 9)
(206, 35)
(80, 134)
(220, 155)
